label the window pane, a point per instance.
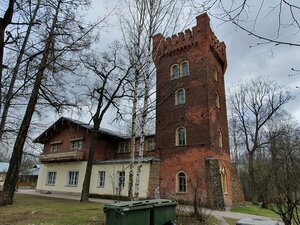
(150, 145)
(182, 182)
(76, 145)
(51, 178)
(121, 179)
(55, 147)
(175, 72)
(73, 178)
(181, 136)
(184, 69)
(180, 97)
(101, 182)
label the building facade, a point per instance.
(191, 125)
(191, 151)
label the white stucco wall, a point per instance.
(111, 182)
(62, 174)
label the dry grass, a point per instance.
(34, 210)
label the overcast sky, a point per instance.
(244, 62)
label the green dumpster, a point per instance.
(128, 213)
(163, 211)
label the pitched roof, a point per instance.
(44, 136)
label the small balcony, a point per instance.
(76, 155)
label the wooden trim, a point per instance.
(56, 142)
(77, 139)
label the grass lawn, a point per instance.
(255, 210)
(35, 210)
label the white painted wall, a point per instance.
(111, 179)
(62, 174)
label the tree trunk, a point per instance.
(9, 93)
(4, 22)
(253, 189)
(144, 121)
(133, 131)
(7, 194)
(87, 178)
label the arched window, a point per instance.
(181, 182)
(215, 74)
(180, 97)
(217, 100)
(220, 138)
(180, 136)
(223, 179)
(184, 69)
(174, 72)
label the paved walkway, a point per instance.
(218, 214)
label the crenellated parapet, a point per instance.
(201, 36)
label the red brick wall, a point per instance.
(105, 148)
(199, 115)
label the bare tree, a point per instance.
(10, 92)
(111, 71)
(254, 104)
(252, 16)
(4, 22)
(145, 18)
(279, 187)
(57, 13)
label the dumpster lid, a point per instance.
(160, 202)
(127, 206)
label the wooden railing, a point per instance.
(62, 156)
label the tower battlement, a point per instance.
(201, 34)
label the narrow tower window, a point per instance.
(180, 97)
(174, 72)
(180, 136)
(220, 138)
(215, 74)
(217, 100)
(184, 68)
(181, 182)
(223, 179)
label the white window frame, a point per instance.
(73, 177)
(179, 185)
(121, 179)
(101, 179)
(51, 178)
(150, 145)
(177, 98)
(123, 147)
(178, 136)
(172, 72)
(76, 144)
(181, 68)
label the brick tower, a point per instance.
(191, 120)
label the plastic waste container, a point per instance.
(163, 211)
(255, 221)
(128, 213)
